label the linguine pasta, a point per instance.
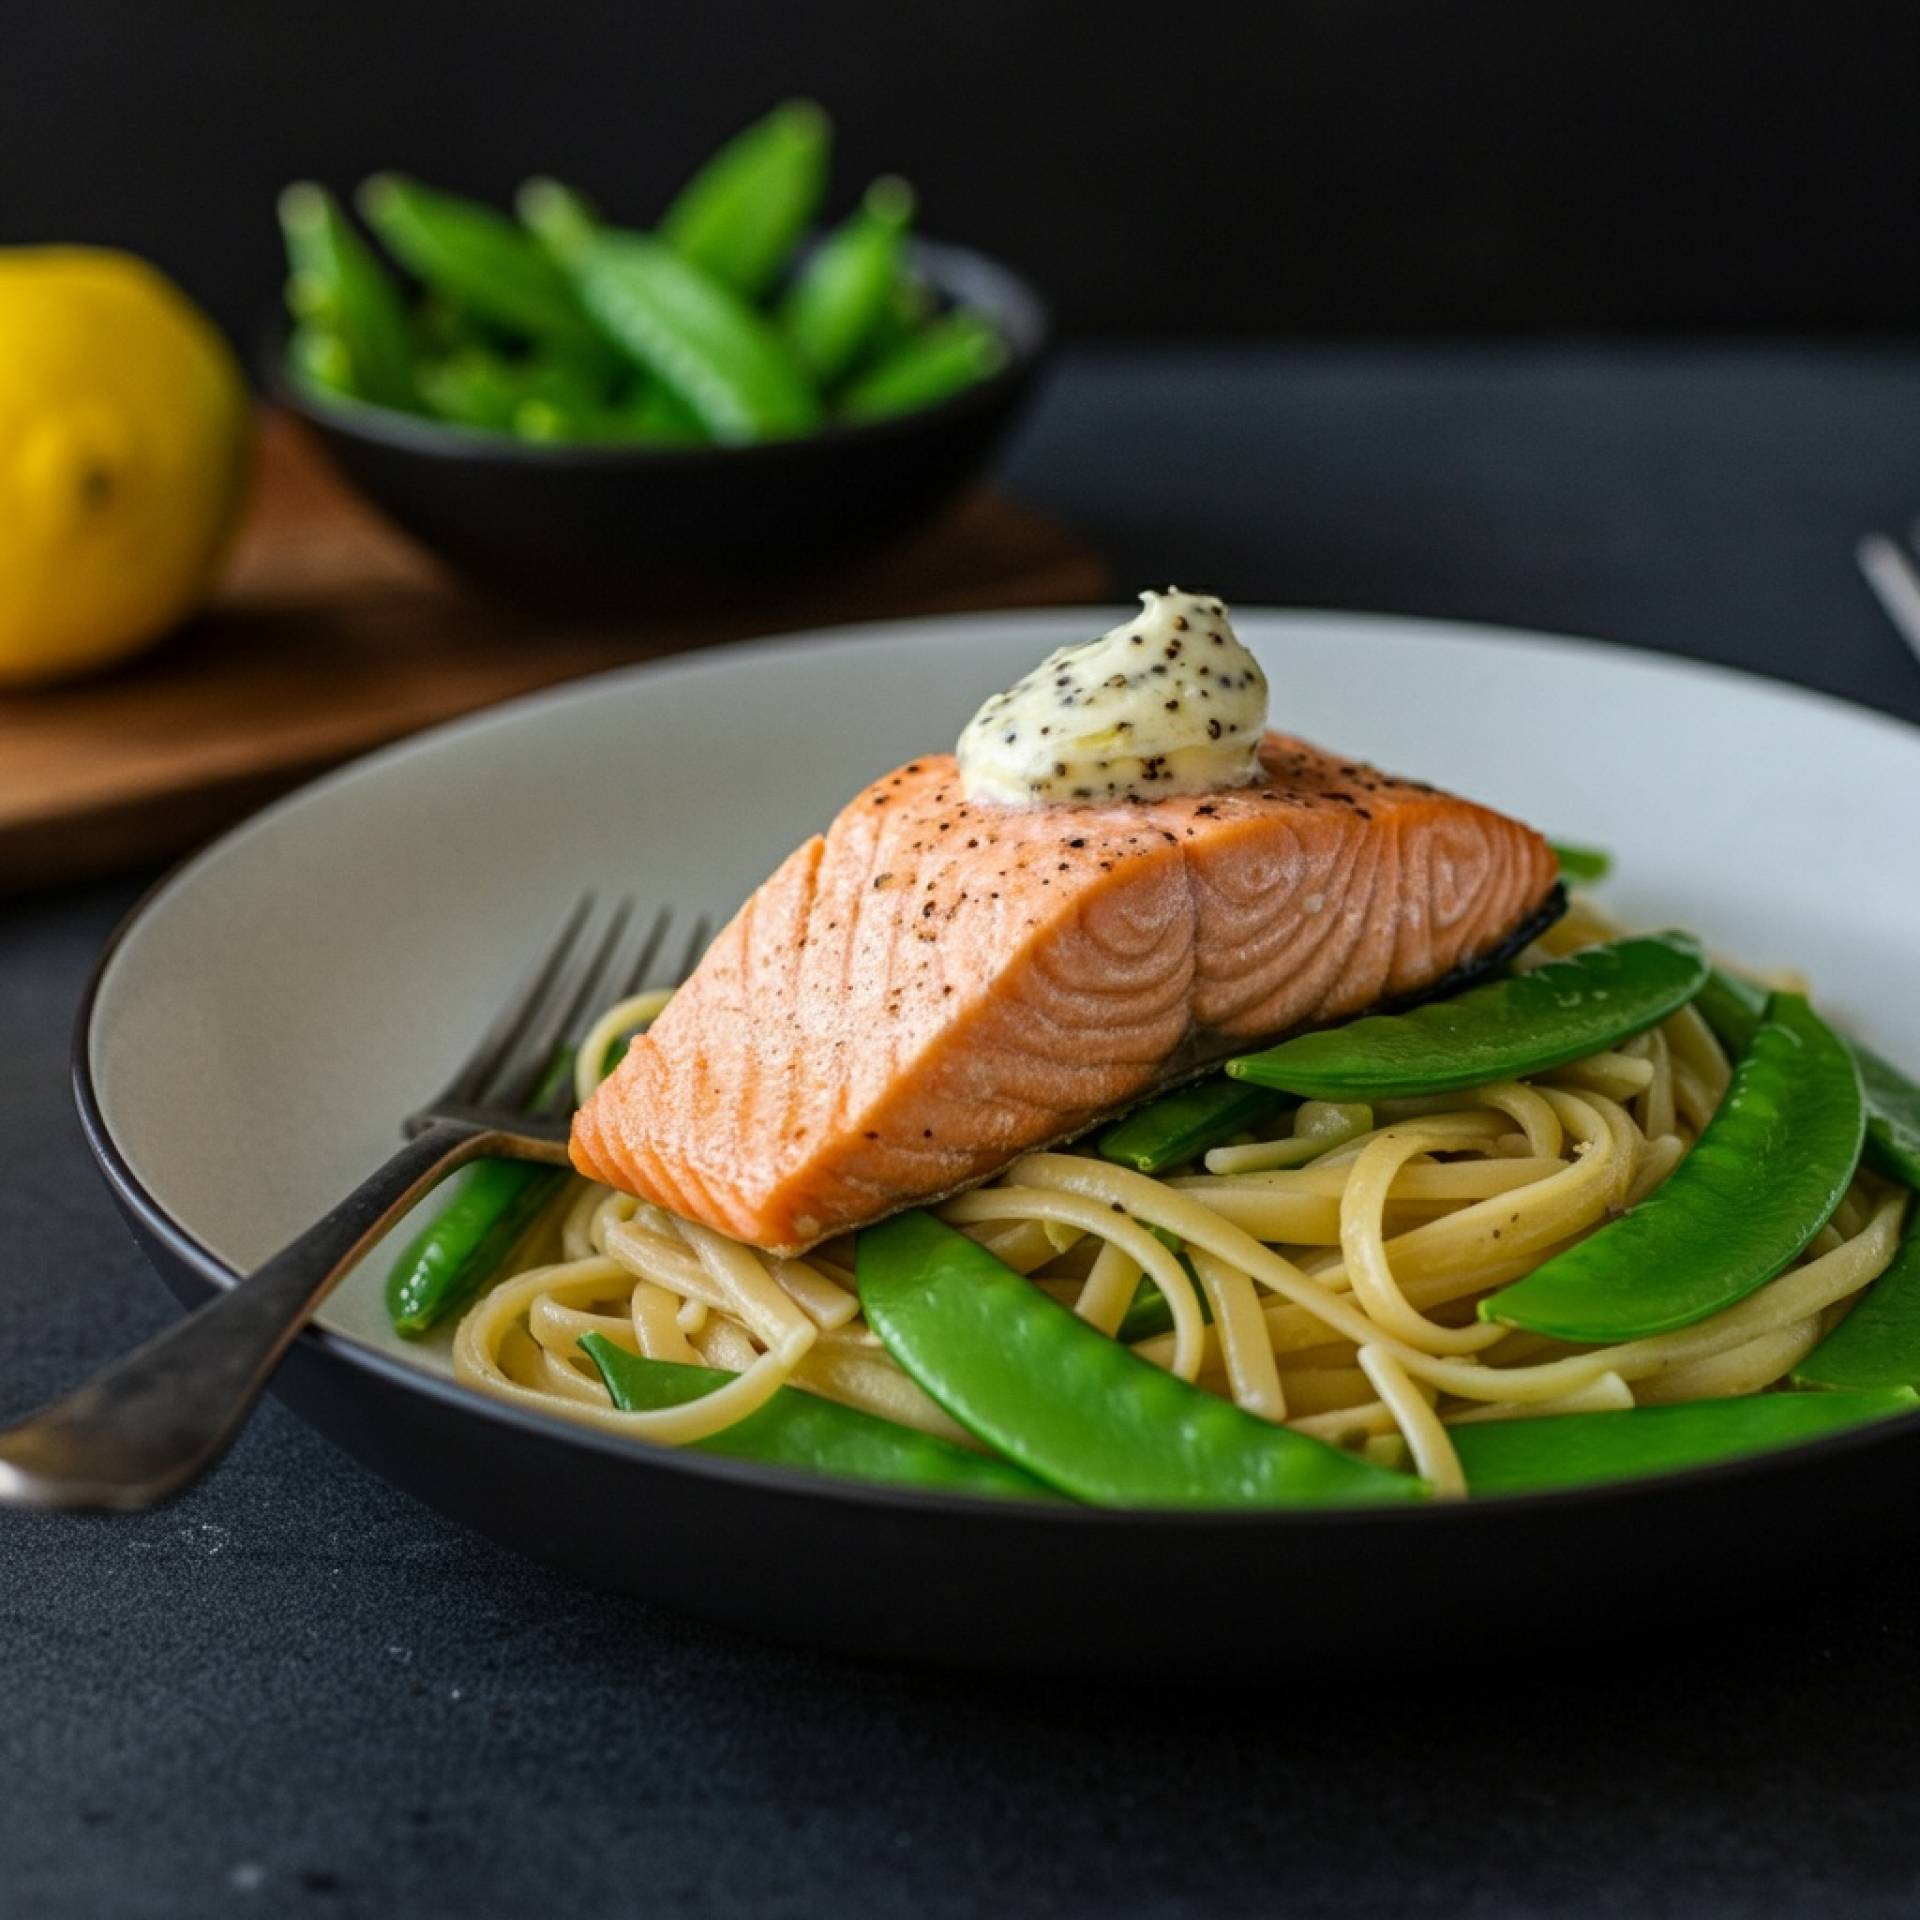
(1338, 1295)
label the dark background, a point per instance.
(1399, 167)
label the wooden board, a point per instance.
(333, 633)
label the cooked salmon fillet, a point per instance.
(933, 986)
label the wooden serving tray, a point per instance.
(333, 633)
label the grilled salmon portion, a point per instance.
(935, 986)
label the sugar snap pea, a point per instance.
(1732, 1007)
(479, 258)
(800, 1429)
(1183, 1124)
(741, 216)
(338, 283)
(476, 386)
(1072, 1407)
(948, 355)
(1761, 1181)
(1582, 866)
(1578, 1449)
(560, 217)
(318, 359)
(1878, 1343)
(726, 362)
(1562, 1011)
(838, 299)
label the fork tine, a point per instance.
(583, 993)
(696, 945)
(497, 1044)
(642, 969)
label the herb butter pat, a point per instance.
(1168, 702)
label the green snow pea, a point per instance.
(1732, 1007)
(838, 299)
(462, 1247)
(338, 283)
(1183, 1124)
(1767, 1170)
(1878, 1343)
(741, 216)
(800, 1429)
(1527, 1023)
(1148, 1313)
(1072, 1407)
(1576, 1449)
(947, 355)
(481, 260)
(723, 359)
(1582, 866)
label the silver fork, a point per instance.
(1895, 582)
(147, 1426)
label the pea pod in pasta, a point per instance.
(1733, 1008)
(1878, 1343)
(799, 1429)
(1558, 1013)
(1761, 1181)
(1074, 1408)
(1182, 1125)
(1581, 1449)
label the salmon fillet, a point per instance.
(934, 987)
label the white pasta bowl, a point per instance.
(258, 1026)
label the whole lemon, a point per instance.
(124, 434)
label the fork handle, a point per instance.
(150, 1424)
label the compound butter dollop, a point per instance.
(1168, 702)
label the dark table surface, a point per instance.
(296, 1690)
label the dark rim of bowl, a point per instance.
(1012, 301)
(140, 1202)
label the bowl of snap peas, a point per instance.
(580, 410)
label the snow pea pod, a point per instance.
(945, 357)
(338, 283)
(737, 374)
(1582, 866)
(1577, 1449)
(1072, 1407)
(800, 1429)
(481, 260)
(1183, 1124)
(1766, 1172)
(1878, 1343)
(1148, 1313)
(1732, 1007)
(838, 299)
(741, 216)
(1562, 1011)
(465, 1244)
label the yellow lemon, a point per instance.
(124, 431)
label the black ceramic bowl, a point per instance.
(609, 525)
